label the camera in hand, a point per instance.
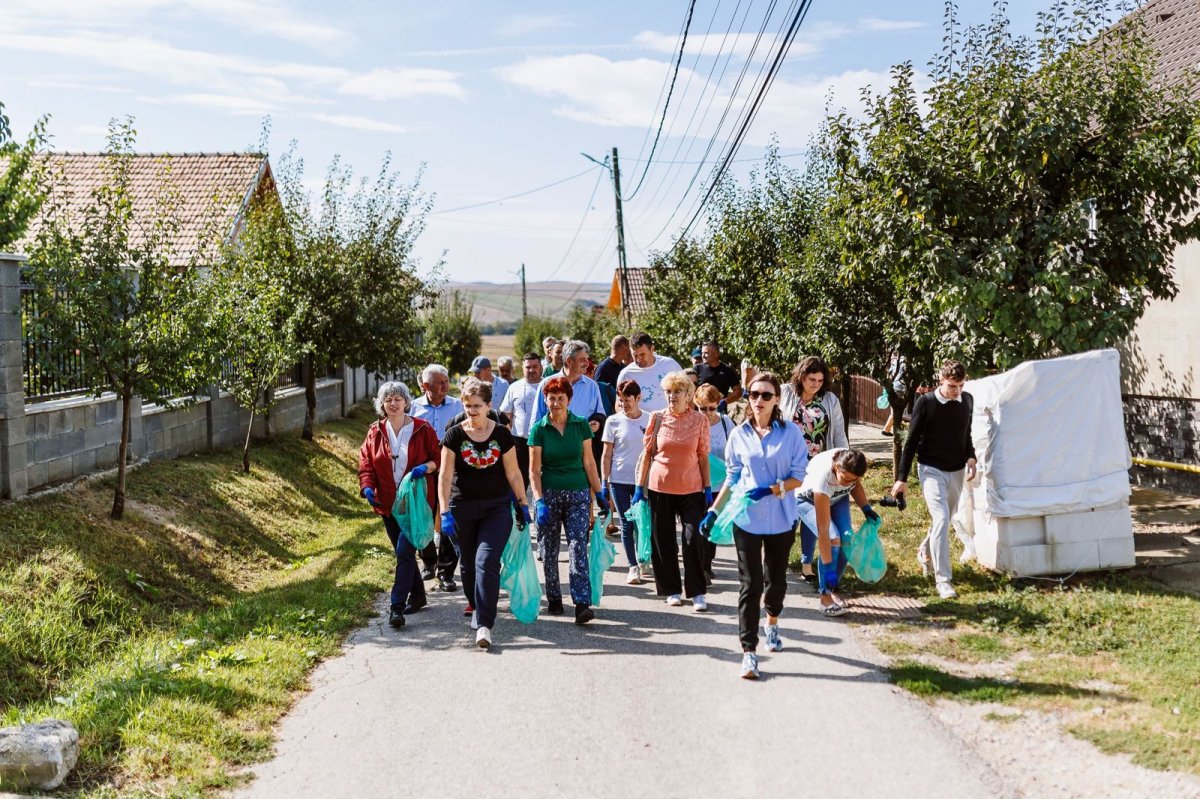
(894, 502)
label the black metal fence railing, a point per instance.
(47, 374)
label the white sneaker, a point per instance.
(968, 553)
(749, 666)
(635, 576)
(483, 638)
(674, 600)
(771, 633)
(700, 603)
(644, 568)
(946, 591)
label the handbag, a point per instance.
(655, 425)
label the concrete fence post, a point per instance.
(14, 481)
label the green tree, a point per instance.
(596, 327)
(257, 322)
(532, 331)
(124, 300)
(451, 336)
(21, 174)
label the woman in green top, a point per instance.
(561, 470)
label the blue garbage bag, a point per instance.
(412, 512)
(601, 555)
(722, 532)
(716, 472)
(639, 514)
(519, 576)
(864, 551)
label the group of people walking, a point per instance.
(554, 450)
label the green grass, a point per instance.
(1124, 632)
(174, 639)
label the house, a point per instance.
(1162, 356)
(632, 302)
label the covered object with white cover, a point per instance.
(1052, 495)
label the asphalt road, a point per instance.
(644, 701)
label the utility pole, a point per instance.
(524, 297)
(622, 264)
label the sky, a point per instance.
(490, 99)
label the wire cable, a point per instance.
(514, 196)
(586, 210)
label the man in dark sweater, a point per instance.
(940, 438)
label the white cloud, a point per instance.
(523, 24)
(236, 105)
(810, 40)
(888, 25)
(359, 123)
(394, 84)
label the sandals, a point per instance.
(835, 608)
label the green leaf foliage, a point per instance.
(451, 336)
(21, 179)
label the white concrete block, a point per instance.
(1093, 525)
(1024, 561)
(1082, 556)
(1116, 553)
(1021, 531)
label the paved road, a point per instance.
(644, 701)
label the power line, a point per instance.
(586, 210)
(674, 76)
(514, 196)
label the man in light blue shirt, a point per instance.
(435, 405)
(586, 399)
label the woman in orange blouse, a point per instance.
(675, 476)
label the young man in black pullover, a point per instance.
(940, 438)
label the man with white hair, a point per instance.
(505, 365)
(586, 399)
(437, 408)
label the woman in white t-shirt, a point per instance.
(833, 477)
(623, 435)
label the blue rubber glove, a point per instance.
(638, 496)
(419, 471)
(543, 513)
(369, 493)
(708, 497)
(707, 523)
(521, 514)
(601, 502)
(870, 513)
(758, 493)
(829, 575)
(449, 528)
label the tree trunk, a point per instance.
(310, 397)
(118, 508)
(246, 446)
(898, 404)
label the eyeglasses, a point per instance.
(765, 395)
(709, 408)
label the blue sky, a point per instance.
(495, 98)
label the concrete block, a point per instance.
(1082, 556)
(1021, 531)
(1025, 560)
(83, 462)
(108, 411)
(36, 475)
(1092, 525)
(72, 441)
(1116, 553)
(98, 436)
(59, 469)
(11, 380)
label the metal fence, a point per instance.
(46, 374)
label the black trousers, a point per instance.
(442, 558)
(664, 551)
(522, 447)
(752, 551)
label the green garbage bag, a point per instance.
(601, 555)
(716, 472)
(519, 577)
(412, 512)
(639, 514)
(722, 532)
(864, 551)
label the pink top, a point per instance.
(682, 442)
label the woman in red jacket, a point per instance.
(396, 445)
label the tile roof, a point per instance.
(1174, 29)
(636, 301)
(212, 188)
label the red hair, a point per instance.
(558, 385)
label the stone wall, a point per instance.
(1164, 429)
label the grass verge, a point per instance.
(1117, 655)
(174, 639)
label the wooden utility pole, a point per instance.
(622, 263)
(524, 297)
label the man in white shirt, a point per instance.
(437, 407)
(648, 370)
(481, 367)
(519, 404)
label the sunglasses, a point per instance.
(765, 395)
(709, 408)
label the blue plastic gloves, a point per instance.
(449, 528)
(870, 513)
(543, 513)
(758, 493)
(601, 502)
(521, 513)
(707, 523)
(708, 496)
(829, 574)
(638, 495)
(369, 493)
(420, 471)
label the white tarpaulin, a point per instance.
(1050, 436)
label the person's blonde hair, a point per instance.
(708, 393)
(674, 381)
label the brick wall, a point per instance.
(1164, 429)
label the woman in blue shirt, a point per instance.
(766, 459)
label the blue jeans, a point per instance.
(839, 522)
(622, 498)
(406, 584)
(571, 510)
(483, 528)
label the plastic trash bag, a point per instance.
(601, 555)
(722, 532)
(882, 401)
(639, 514)
(412, 512)
(716, 472)
(864, 551)
(519, 576)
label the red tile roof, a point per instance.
(636, 301)
(1174, 29)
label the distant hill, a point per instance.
(501, 302)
